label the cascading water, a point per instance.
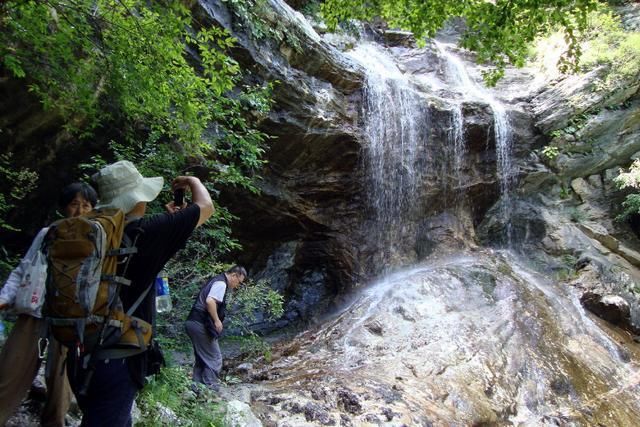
(461, 80)
(458, 141)
(396, 124)
(456, 137)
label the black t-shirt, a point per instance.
(159, 238)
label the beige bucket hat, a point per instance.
(121, 186)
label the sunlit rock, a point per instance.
(612, 308)
(238, 414)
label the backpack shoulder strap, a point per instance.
(139, 300)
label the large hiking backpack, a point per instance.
(82, 306)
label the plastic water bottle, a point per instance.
(163, 299)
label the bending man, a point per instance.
(204, 325)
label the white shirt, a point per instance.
(217, 291)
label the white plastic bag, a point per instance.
(30, 293)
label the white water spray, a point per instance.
(504, 139)
(396, 124)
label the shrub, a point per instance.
(171, 389)
(630, 179)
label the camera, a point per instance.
(178, 197)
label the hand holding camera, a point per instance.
(179, 202)
(178, 197)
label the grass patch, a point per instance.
(171, 390)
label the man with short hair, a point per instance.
(115, 382)
(204, 325)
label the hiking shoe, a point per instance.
(197, 388)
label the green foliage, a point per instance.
(565, 192)
(568, 139)
(93, 60)
(577, 215)
(565, 274)
(17, 183)
(250, 345)
(172, 389)
(604, 45)
(498, 31)
(550, 152)
(607, 44)
(251, 299)
(8, 326)
(312, 9)
(262, 23)
(130, 62)
(630, 179)
(630, 206)
(567, 270)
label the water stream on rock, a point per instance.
(461, 80)
(464, 339)
(396, 123)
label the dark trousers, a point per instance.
(110, 395)
(208, 358)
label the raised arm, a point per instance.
(199, 195)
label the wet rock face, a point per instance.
(473, 339)
(315, 195)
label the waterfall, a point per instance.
(458, 143)
(396, 124)
(458, 140)
(457, 73)
(471, 337)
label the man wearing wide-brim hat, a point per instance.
(115, 382)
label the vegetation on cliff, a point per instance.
(500, 32)
(165, 87)
(171, 99)
(610, 62)
(631, 180)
